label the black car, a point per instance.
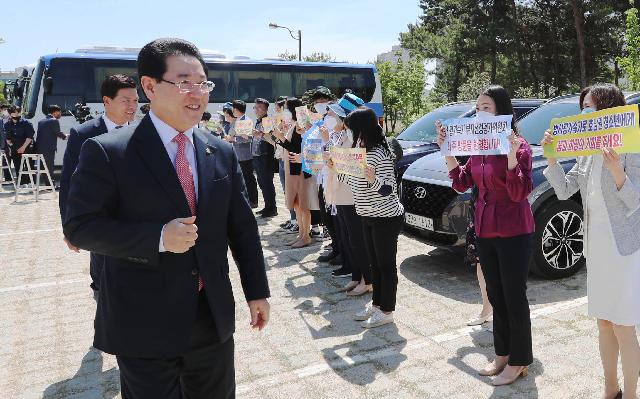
(418, 139)
(442, 214)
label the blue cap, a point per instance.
(347, 104)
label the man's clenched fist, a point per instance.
(180, 234)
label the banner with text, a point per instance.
(477, 136)
(244, 127)
(349, 161)
(587, 134)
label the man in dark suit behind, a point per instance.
(120, 98)
(47, 136)
(163, 201)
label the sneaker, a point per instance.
(315, 232)
(294, 228)
(286, 225)
(336, 261)
(366, 313)
(327, 257)
(342, 272)
(325, 234)
(378, 318)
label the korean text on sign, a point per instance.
(588, 134)
(477, 136)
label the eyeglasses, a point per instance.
(187, 87)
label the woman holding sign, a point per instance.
(504, 226)
(609, 185)
(300, 190)
(376, 199)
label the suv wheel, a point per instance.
(558, 241)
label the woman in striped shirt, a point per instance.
(376, 200)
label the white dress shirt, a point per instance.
(111, 125)
(167, 133)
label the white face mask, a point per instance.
(321, 108)
(330, 122)
(483, 114)
(288, 117)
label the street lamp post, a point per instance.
(299, 38)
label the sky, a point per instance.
(350, 30)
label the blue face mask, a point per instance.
(587, 110)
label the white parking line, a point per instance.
(543, 311)
(348, 361)
(26, 287)
(29, 232)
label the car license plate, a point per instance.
(419, 221)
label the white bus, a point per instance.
(69, 79)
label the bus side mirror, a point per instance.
(47, 84)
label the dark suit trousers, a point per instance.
(17, 160)
(250, 180)
(96, 265)
(264, 170)
(505, 264)
(205, 371)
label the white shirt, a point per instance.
(167, 133)
(111, 125)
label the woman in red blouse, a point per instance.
(504, 226)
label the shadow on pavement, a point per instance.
(483, 344)
(442, 272)
(372, 355)
(89, 382)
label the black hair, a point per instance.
(281, 100)
(4, 106)
(53, 108)
(206, 116)
(152, 59)
(145, 108)
(363, 122)
(319, 95)
(501, 97)
(262, 101)
(228, 111)
(14, 108)
(605, 95)
(112, 84)
(292, 104)
(239, 105)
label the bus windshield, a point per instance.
(30, 101)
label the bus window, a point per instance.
(360, 81)
(30, 103)
(223, 89)
(252, 85)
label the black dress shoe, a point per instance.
(337, 261)
(269, 213)
(261, 211)
(327, 257)
(342, 272)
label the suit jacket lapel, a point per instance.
(101, 126)
(206, 158)
(154, 154)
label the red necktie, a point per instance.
(185, 175)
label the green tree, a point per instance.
(630, 63)
(3, 100)
(313, 57)
(402, 91)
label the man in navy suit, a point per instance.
(48, 134)
(120, 99)
(163, 201)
